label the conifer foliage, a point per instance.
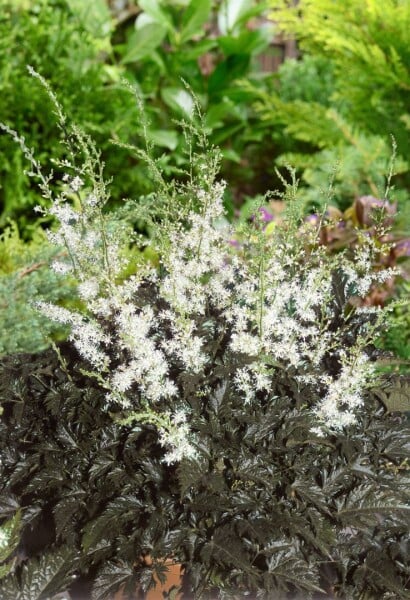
(339, 104)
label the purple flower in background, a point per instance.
(266, 216)
(312, 219)
(402, 248)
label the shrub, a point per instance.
(355, 57)
(49, 36)
(264, 507)
(25, 276)
(367, 45)
(308, 79)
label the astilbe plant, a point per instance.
(235, 386)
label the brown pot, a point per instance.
(173, 579)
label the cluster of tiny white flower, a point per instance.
(345, 393)
(88, 337)
(177, 437)
(147, 365)
(197, 277)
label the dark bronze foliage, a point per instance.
(267, 509)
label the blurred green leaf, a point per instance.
(144, 40)
(94, 16)
(178, 99)
(217, 114)
(158, 15)
(229, 154)
(233, 12)
(194, 18)
(165, 138)
(235, 66)
(199, 49)
(248, 42)
(227, 132)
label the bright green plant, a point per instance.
(309, 79)
(328, 150)
(362, 98)
(367, 44)
(76, 57)
(25, 277)
(212, 46)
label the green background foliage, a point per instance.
(26, 276)
(48, 36)
(356, 57)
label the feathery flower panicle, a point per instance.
(88, 336)
(177, 437)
